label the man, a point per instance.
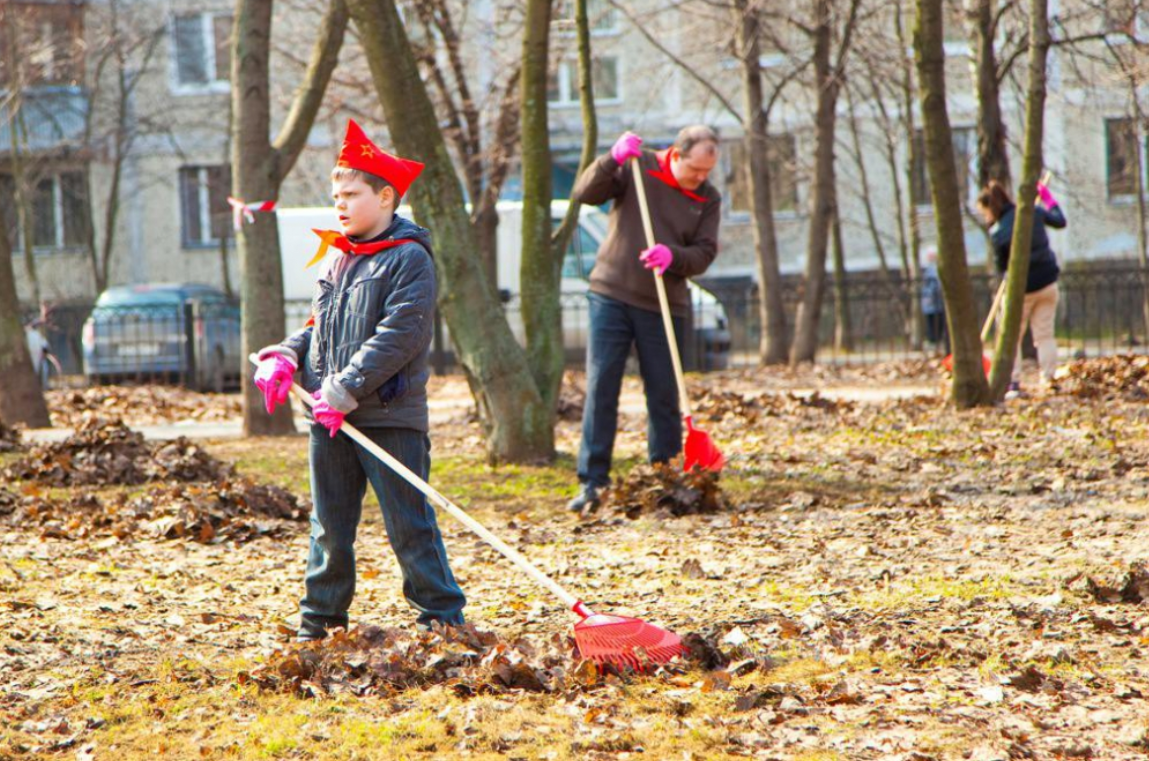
(624, 309)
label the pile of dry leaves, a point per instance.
(236, 511)
(9, 439)
(143, 405)
(1122, 377)
(103, 452)
(667, 489)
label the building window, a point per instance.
(603, 17)
(202, 50)
(59, 211)
(204, 211)
(965, 159)
(562, 84)
(1120, 158)
(48, 40)
(781, 159)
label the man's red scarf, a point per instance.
(330, 238)
(665, 174)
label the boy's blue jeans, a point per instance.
(614, 326)
(340, 472)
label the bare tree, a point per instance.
(969, 386)
(259, 167)
(21, 398)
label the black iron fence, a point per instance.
(869, 318)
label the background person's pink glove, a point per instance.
(658, 258)
(626, 147)
(326, 415)
(1046, 198)
(273, 377)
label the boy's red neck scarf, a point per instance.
(328, 238)
(665, 174)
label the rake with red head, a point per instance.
(600, 638)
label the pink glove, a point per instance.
(628, 146)
(1046, 198)
(273, 377)
(657, 258)
(327, 416)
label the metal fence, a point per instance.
(1101, 311)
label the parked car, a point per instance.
(709, 344)
(142, 332)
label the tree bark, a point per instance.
(258, 170)
(541, 269)
(21, 398)
(843, 332)
(1023, 220)
(993, 158)
(562, 236)
(773, 347)
(969, 385)
(517, 422)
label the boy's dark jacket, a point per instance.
(370, 344)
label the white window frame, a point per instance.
(207, 29)
(203, 192)
(58, 244)
(1121, 199)
(567, 74)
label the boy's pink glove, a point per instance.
(1046, 198)
(273, 377)
(658, 258)
(326, 415)
(626, 147)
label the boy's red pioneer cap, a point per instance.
(358, 152)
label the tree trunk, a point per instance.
(1142, 237)
(993, 158)
(541, 269)
(258, 169)
(1023, 220)
(917, 320)
(822, 196)
(518, 422)
(562, 236)
(969, 384)
(21, 398)
(773, 347)
(843, 333)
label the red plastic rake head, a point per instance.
(700, 451)
(623, 641)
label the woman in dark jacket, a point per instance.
(1041, 293)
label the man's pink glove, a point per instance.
(1046, 198)
(326, 415)
(657, 258)
(273, 377)
(627, 147)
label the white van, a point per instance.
(709, 348)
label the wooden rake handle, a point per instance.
(988, 324)
(510, 553)
(663, 303)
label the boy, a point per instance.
(364, 356)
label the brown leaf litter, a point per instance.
(665, 488)
(142, 405)
(107, 452)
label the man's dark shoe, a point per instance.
(586, 499)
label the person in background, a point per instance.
(933, 305)
(1041, 293)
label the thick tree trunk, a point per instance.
(541, 269)
(1023, 219)
(822, 194)
(517, 420)
(773, 347)
(993, 158)
(21, 398)
(1142, 237)
(969, 384)
(258, 169)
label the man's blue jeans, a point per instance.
(614, 327)
(340, 472)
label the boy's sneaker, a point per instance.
(1013, 390)
(586, 499)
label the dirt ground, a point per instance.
(883, 580)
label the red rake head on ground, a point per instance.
(623, 641)
(700, 451)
